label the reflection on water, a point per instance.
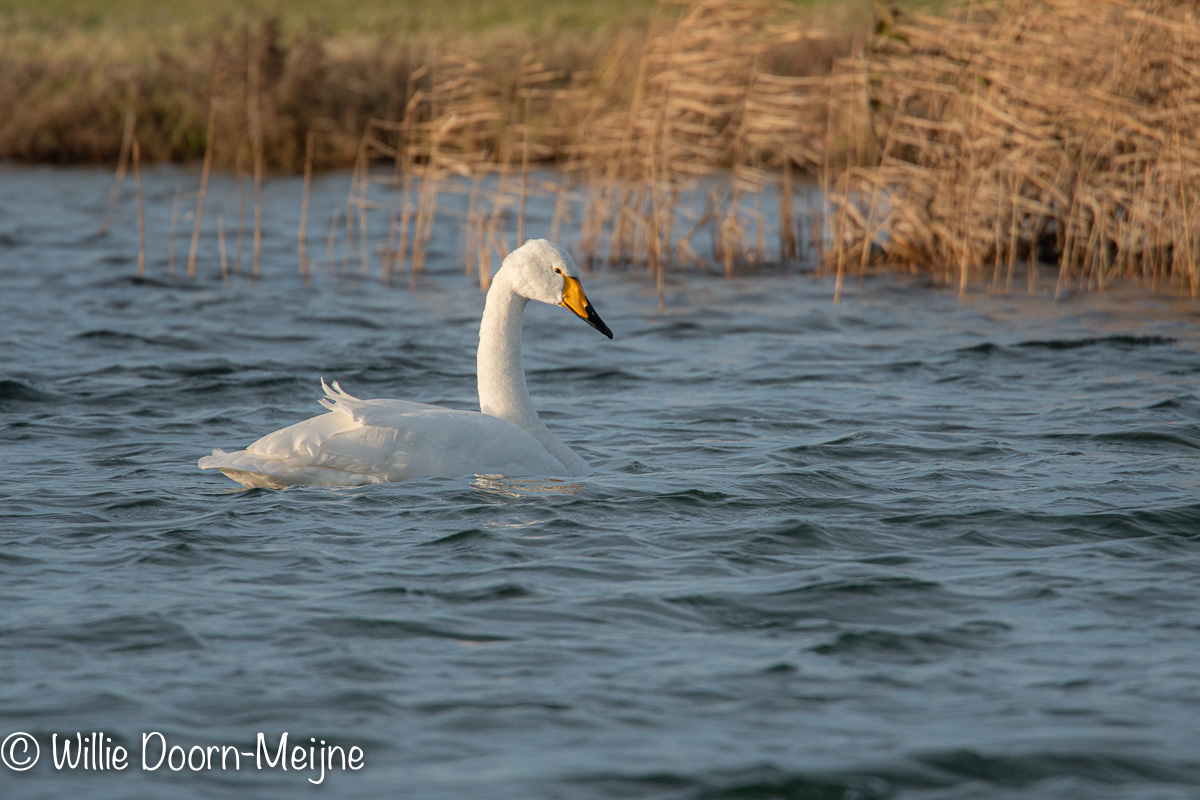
(521, 487)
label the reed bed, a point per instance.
(268, 90)
(663, 139)
(1029, 132)
(724, 89)
(982, 145)
(669, 140)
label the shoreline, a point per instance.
(195, 85)
(1020, 132)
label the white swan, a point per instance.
(371, 441)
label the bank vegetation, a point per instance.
(1004, 141)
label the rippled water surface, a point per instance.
(902, 546)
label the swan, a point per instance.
(359, 442)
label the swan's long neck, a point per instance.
(502, 389)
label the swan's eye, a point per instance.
(558, 271)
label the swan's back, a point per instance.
(372, 441)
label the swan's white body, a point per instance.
(371, 441)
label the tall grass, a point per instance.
(975, 145)
(669, 138)
(1061, 131)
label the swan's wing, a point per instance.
(368, 441)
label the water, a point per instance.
(903, 546)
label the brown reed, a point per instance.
(141, 209)
(703, 101)
(1055, 131)
(254, 120)
(634, 121)
(241, 213)
(221, 248)
(204, 173)
(970, 147)
(114, 195)
(301, 234)
(331, 239)
(171, 234)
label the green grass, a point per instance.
(326, 16)
(139, 18)
(74, 68)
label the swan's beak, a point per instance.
(575, 300)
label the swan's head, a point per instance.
(542, 270)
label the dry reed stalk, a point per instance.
(524, 192)
(1187, 231)
(221, 248)
(493, 242)
(255, 124)
(331, 238)
(204, 172)
(839, 239)
(363, 246)
(171, 234)
(1014, 230)
(787, 230)
(349, 246)
(499, 243)
(387, 259)
(523, 100)
(114, 195)
(360, 185)
(141, 209)
(562, 208)
(472, 224)
(760, 230)
(302, 234)
(241, 230)
(386, 250)
(405, 218)
(390, 261)
(423, 225)
(482, 261)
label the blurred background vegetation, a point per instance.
(955, 138)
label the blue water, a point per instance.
(908, 545)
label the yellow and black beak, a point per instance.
(575, 300)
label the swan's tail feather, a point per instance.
(333, 395)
